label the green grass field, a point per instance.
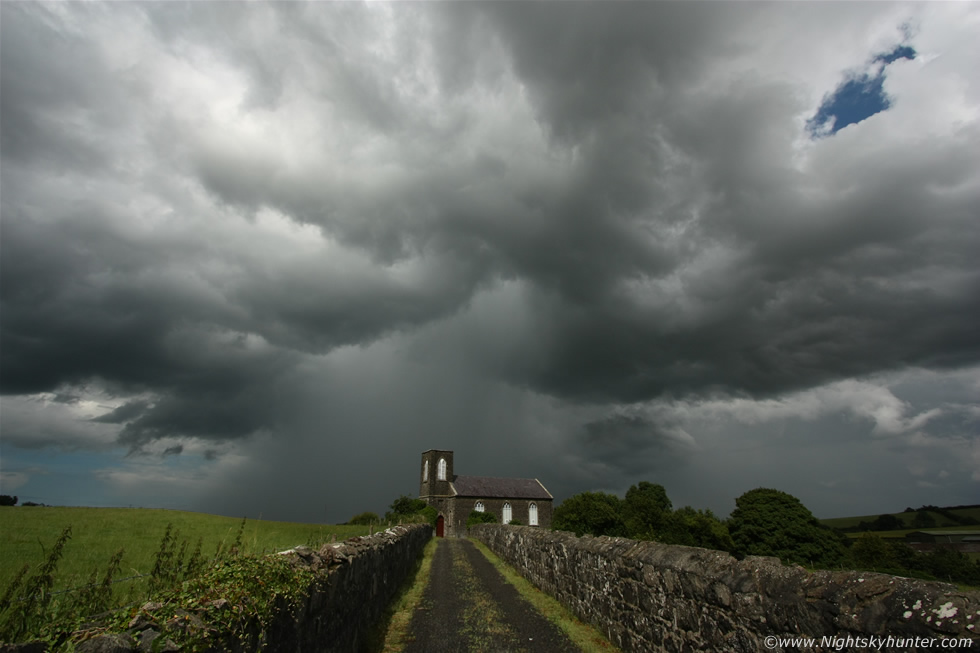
(902, 533)
(906, 518)
(27, 532)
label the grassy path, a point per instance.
(463, 603)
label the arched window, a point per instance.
(479, 506)
(507, 515)
(442, 469)
(532, 514)
(425, 471)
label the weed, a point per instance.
(38, 603)
(95, 597)
(161, 565)
(12, 588)
(196, 562)
(37, 594)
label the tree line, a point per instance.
(402, 510)
(7, 500)
(924, 518)
(765, 522)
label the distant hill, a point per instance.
(924, 517)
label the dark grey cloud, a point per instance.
(575, 215)
(125, 413)
(633, 444)
(47, 76)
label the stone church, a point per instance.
(524, 500)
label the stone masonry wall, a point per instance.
(646, 596)
(357, 581)
(364, 576)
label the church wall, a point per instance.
(519, 509)
(456, 510)
(445, 506)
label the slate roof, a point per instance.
(504, 488)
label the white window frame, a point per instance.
(508, 515)
(532, 514)
(442, 469)
(479, 507)
(425, 471)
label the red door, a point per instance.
(440, 527)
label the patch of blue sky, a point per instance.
(68, 480)
(74, 478)
(859, 97)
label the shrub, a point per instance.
(404, 507)
(431, 515)
(364, 519)
(477, 517)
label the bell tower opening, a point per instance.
(436, 474)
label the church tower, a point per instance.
(436, 474)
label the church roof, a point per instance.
(504, 488)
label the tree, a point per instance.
(887, 523)
(871, 551)
(430, 514)
(773, 523)
(698, 528)
(905, 557)
(596, 513)
(404, 507)
(646, 510)
(923, 519)
(364, 519)
(7, 500)
(946, 563)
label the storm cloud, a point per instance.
(268, 247)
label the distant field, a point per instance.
(903, 533)
(906, 518)
(27, 532)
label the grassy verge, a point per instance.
(584, 636)
(404, 606)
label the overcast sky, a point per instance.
(257, 257)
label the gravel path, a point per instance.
(469, 607)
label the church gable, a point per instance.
(522, 500)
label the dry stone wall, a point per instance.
(364, 575)
(648, 597)
(356, 581)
